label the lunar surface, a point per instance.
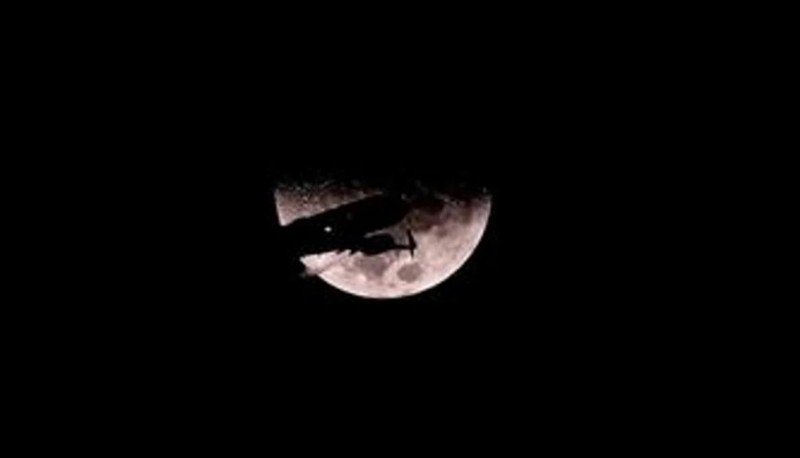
(447, 224)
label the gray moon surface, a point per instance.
(447, 230)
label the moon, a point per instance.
(446, 223)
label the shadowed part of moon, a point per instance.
(410, 272)
(428, 214)
(373, 266)
(441, 232)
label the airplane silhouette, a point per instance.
(351, 227)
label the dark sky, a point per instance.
(568, 253)
(577, 270)
(569, 256)
(548, 256)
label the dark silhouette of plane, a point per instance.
(351, 227)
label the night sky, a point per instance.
(582, 281)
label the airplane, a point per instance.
(351, 227)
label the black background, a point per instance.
(568, 261)
(575, 273)
(575, 232)
(171, 295)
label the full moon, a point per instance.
(447, 223)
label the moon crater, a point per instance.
(409, 273)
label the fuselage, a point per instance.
(346, 226)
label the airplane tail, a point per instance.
(412, 244)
